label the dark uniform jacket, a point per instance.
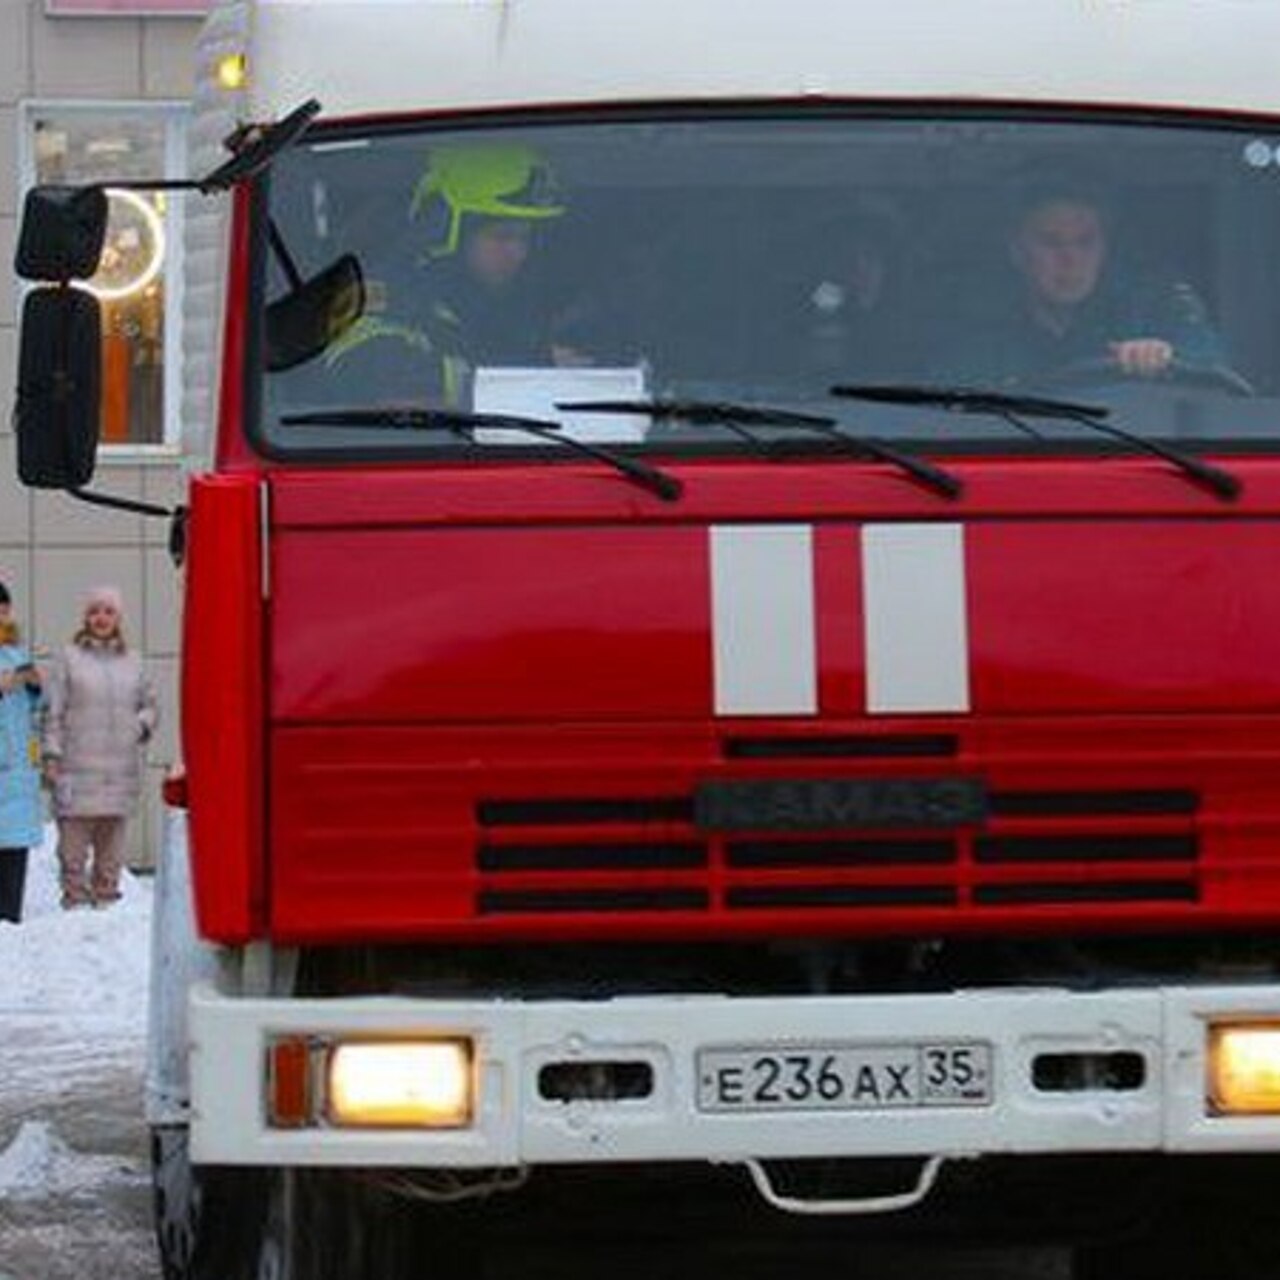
(428, 344)
(1005, 343)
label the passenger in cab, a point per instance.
(474, 298)
(843, 317)
(1076, 311)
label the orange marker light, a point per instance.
(289, 1094)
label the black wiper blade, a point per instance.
(733, 417)
(414, 418)
(967, 399)
(465, 424)
(703, 412)
(1220, 483)
(739, 418)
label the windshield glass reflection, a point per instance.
(763, 259)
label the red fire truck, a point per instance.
(731, 673)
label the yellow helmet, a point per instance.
(502, 181)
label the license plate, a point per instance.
(839, 803)
(846, 1077)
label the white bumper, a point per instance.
(514, 1125)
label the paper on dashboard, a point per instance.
(535, 392)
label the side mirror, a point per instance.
(59, 388)
(314, 314)
(63, 230)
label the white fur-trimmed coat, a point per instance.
(101, 712)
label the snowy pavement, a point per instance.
(74, 1191)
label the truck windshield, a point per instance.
(765, 258)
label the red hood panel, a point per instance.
(491, 625)
(597, 622)
(1177, 616)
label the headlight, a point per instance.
(400, 1083)
(1244, 1068)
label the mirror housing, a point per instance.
(63, 230)
(310, 317)
(58, 407)
(58, 411)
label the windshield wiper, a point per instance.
(739, 418)
(1220, 483)
(465, 424)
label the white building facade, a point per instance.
(91, 89)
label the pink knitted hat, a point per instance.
(104, 595)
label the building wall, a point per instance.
(51, 547)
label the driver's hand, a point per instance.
(1142, 357)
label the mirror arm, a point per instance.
(121, 504)
(283, 256)
(177, 516)
(253, 147)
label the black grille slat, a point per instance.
(1110, 804)
(869, 747)
(745, 897)
(567, 901)
(591, 857)
(586, 812)
(1025, 895)
(839, 853)
(1090, 848)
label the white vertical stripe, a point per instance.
(763, 646)
(917, 635)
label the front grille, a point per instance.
(642, 855)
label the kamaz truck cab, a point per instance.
(731, 669)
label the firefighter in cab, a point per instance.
(1074, 312)
(478, 297)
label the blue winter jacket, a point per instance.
(21, 824)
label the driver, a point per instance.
(1072, 306)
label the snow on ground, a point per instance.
(86, 966)
(38, 1163)
(73, 1005)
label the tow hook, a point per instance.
(894, 1202)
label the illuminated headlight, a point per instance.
(426, 1084)
(1244, 1068)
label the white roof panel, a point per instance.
(370, 57)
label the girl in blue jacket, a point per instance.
(20, 822)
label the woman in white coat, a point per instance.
(102, 712)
